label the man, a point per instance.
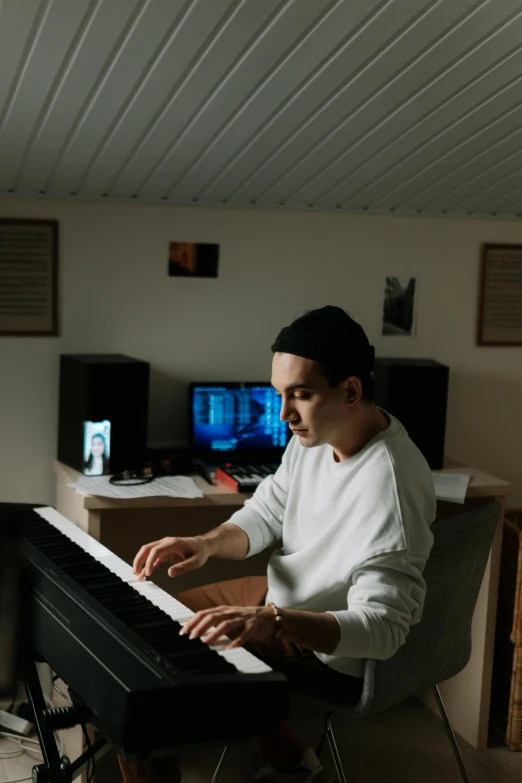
(352, 504)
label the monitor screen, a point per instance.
(236, 417)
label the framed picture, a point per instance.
(191, 259)
(500, 304)
(399, 306)
(28, 277)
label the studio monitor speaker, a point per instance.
(415, 391)
(104, 402)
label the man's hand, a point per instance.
(187, 554)
(240, 623)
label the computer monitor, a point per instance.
(235, 419)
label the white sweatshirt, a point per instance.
(355, 539)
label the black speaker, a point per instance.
(416, 392)
(104, 405)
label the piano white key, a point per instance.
(243, 660)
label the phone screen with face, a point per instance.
(96, 447)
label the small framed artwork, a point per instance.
(28, 277)
(191, 259)
(500, 303)
(399, 306)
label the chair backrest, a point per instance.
(440, 645)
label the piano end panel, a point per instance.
(240, 704)
(204, 709)
(100, 672)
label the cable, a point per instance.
(11, 754)
(22, 741)
(16, 740)
(62, 694)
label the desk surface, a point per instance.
(218, 494)
(481, 484)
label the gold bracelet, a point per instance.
(278, 619)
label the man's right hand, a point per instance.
(186, 554)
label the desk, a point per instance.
(467, 696)
(123, 526)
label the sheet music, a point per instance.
(451, 486)
(170, 486)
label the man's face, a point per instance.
(314, 411)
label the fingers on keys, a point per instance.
(140, 561)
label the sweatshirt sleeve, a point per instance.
(262, 515)
(385, 598)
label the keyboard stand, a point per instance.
(56, 769)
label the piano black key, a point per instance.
(121, 605)
(118, 604)
(136, 616)
(154, 623)
(101, 577)
(56, 550)
(202, 665)
(115, 591)
(65, 561)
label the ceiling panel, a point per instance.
(355, 105)
(411, 92)
(19, 25)
(479, 174)
(278, 102)
(390, 85)
(243, 50)
(107, 45)
(455, 91)
(47, 47)
(308, 81)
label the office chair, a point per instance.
(440, 645)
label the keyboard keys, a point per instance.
(127, 587)
(145, 619)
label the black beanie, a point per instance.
(330, 336)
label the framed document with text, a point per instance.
(500, 307)
(28, 277)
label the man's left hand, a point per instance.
(240, 623)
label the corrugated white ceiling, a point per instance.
(409, 106)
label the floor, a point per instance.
(406, 744)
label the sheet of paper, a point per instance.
(170, 486)
(451, 486)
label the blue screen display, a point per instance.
(237, 418)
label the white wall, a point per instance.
(116, 297)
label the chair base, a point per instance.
(333, 747)
(329, 735)
(217, 771)
(450, 732)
